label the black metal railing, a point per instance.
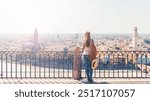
(21, 64)
(59, 64)
(123, 64)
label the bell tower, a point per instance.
(35, 39)
(135, 39)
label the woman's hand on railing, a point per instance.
(98, 54)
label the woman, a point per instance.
(87, 58)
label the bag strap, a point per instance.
(91, 42)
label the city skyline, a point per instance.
(74, 16)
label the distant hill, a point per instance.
(147, 41)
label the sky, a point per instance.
(74, 16)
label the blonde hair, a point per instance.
(87, 39)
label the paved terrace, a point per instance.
(72, 81)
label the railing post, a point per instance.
(149, 71)
(77, 64)
(135, 59)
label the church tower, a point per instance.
(135, 39)
(36, 44)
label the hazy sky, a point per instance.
(64, 16)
